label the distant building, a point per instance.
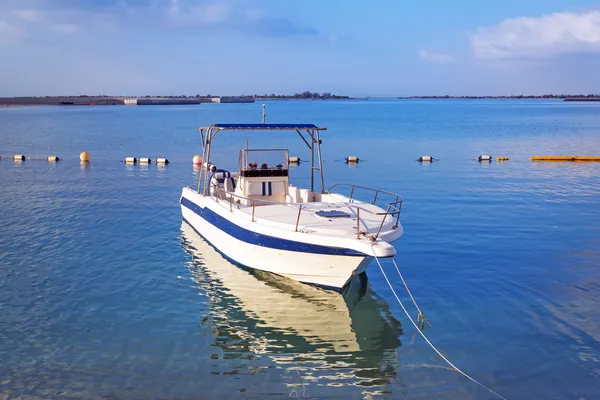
(130, 102)
(168, 101)
(232, 100)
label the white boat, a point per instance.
(257, 218)
(321, 317)
(297, 326)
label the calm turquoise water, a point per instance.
(104, 295)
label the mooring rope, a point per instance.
(421, 317)
(425, 337)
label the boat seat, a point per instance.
(274, 190)
(224, 180)
(230, 185)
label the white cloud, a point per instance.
(14, 21)
(29, 15)
(38, 18)
(5, 28)
(19, 23)
(66, 28)
(8, 32)
(436, 58)
(254, 15)
(182, 13)
(545, 36)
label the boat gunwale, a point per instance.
(300, 206)
(264, 226)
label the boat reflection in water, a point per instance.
(324, 337)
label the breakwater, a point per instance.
(60, 101)
(583, 99)
(115, 101)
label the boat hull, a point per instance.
(314, 266)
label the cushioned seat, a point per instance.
(223, 179)
(273, 188)
(267, 190)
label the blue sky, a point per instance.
(229, 47)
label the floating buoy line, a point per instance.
(85, 157)
(420, 324)
(294, 160)
(145, 160)
(21, 157)
(351, 160)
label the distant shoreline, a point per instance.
(58, 101)
(180, 100)
(591, 97)
(153, 100)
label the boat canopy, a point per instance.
(313, 142)
(264, 127)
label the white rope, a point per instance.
(421, 318)
(425, 337)
(406, 286)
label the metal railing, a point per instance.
(392, 209)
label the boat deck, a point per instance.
(285, 216)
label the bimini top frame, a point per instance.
(209, 133)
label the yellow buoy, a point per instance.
(197, 160)
(352, 159)
(162, 160)
(130, 160)
(587, 158)
(19, 157)
(145, 160)
(501, 158)
(565, 158)
(85, 156)
(53, 159)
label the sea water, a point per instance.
(104, 293)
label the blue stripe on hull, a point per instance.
(259, 239)
(247, 268)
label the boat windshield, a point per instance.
(263, 159)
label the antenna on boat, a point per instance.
(264, 115)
